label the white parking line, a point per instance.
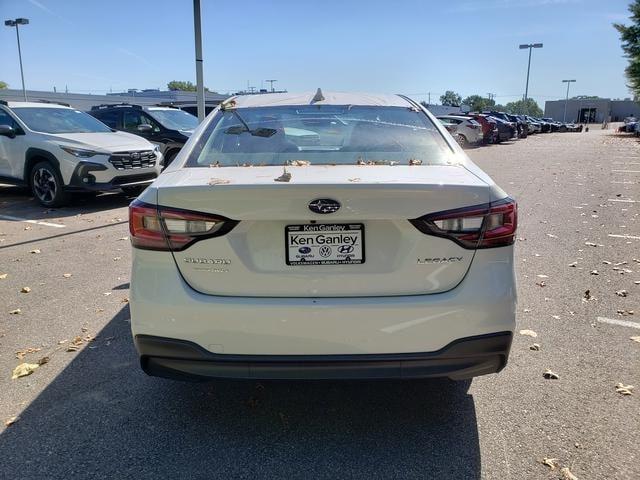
(633, 237)
(626, 171)
(615, 321)
(624, 200)
(37, 222)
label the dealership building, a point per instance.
(591, 110)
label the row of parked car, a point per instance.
(471, 129)
(630, 125)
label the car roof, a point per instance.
(327, 98)
(12, 104)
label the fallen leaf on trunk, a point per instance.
(17, 311)
(542, 276)
(573, 264)
(528, 333)
(218, 181)
(552, 463)
(635, 339)
(66, 275)
(10, 421)
(35, 250)
(3, 276)
(624, 389)
(25, 290)
(606, 262)
(541, 283)
(24, 369)
(535, 347)
(556, 317)
(551, 235)
(549, 375)
(622, 293)
(594, 272)
(566, 474)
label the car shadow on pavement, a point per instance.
(103, 418)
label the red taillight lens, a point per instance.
(482, 226)
(160, 228)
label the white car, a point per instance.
(465, 130)
(57, 150)
(372, 249)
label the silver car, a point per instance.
(465, 130)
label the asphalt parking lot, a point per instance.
(91, 413)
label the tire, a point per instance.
(134, 191)
(169, 158)
(462, 141)
(47, 185)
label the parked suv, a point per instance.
(468, 131)
(165, 126)
(56, 149)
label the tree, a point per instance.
(478, 103)
(630, 38)
(182, 86)
(451, 98)
(3, 85)
(528, 107)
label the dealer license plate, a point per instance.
(325, 244)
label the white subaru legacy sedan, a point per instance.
(322, 236)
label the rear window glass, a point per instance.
(320, 135)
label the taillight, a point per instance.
(161, 228)
(481, 226)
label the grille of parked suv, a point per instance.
(133, 160)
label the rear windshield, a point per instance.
(174, 119)
(320, 135)
(59, 120)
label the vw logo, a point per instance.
(324, 205)
(345, 248)
(325, 251)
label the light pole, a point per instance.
(529, 46)
(566, 100)
(15, 23)
(197, 28)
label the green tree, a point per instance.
(528, 107)
(182, 86)
(478, 103)
(3, 85)
(450, 99)
(630, 37)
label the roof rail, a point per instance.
(109, 105)
(167, 105)
(53, 102)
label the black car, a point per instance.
(506, 130)
(168, 127)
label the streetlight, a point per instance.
(197, 28)
(523, 47)
(15, 23)
(568, 82)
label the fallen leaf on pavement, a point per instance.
(591, 244)
(10, 421)
(35, 250)
(622, 293)
(24, 369)
(541, 283)
(594, 272)
(106, 294)
(125, 300)
(115, 259)
(624, 389)
(528, 333)
(25, 290)
(20, 354)
(573, 264)
(535, 347)
(551, 235)
(17, 311)
(625, 312)
(123, 238)
(557, 317)
(566, 474)
(542, 276)
(635, 339)
(43, 360)
(66, 275)
(606, 262)
(3, 276)
(552, 463)
(549, 375)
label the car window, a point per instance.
(133, 118)
(174, 119)
(110, 118)
(59, 120)
(5, 119)
(320, 135)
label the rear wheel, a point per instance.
(47, 186)
(462, 140)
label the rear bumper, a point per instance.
(461, 359)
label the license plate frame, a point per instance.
(335, 256)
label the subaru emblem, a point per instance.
(324, 205)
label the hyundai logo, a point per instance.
(304, 250)
(345, 248)
(324, 205)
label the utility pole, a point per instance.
(429, 101)
(271, 82)
(197, 27)
(491, 96)
(16, 23)
(566, 100)
(530, 46)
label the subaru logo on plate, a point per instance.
(324, 205)
(345, 248)
(304, 250)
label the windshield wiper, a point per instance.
(258, 132)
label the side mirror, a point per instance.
(145, 128)
(7, 131)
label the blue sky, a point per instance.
(405, 46)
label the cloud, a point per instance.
(46, 9)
